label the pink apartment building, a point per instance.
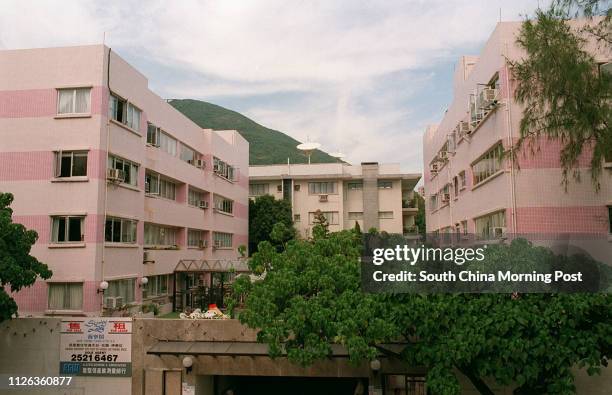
(124, 191)
(470, 188)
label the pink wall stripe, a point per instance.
(94, 227)
(39, 165)
(43, 102)
(34, 299)
(581, 219)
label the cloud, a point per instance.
(360, 73)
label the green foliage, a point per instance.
(320, 227)
(264, 213)
(311, 297)
(266, 146)
(242, 250)
(18, 268)
(357, 228)
(564, 94)
(419, 220)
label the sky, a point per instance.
(361, 77)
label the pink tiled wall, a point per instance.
(43, 102)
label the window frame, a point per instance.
(127, 112)
(59, 155)
(222, 204)
(266, 189)
(385, 214)
(65, 284)
(381, 184)
(334, 220)
(159, 231)
(493, 166)
(224, 237)
(74, 94)
(117, 283)
(195, 242)
(67, 229)
(125, 162)
(316, 188)
(122, 222)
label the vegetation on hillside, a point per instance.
(266, 146)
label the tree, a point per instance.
(419, 220)
(18, 268)
(565, 94)
(264, 213)
(321, 226)
(311, 297)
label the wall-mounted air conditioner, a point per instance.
(322, 198)
(203, 204)
(115, 175)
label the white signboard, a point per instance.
(96, 346)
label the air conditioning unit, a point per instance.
(200, 164)
(434, 167)
(464, 128)
(115, 175)
(445, 197)
(488, 97)
(296, 187)
(217, 244)
(322, 198)
(497, 232)
(216, 168)
(146, 257)
(147, 187)
(201, 244)
(443, 155)
(203, 204)
(113, 302)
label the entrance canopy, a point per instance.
(218, 265)
(231, 349)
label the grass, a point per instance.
(266, 146)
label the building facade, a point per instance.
(472, 186)
(373, 195)
(121, 188)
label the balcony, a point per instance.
(411, 232)
(410, 206)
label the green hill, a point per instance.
(266, 146)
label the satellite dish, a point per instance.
(307, 148)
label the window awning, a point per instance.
(203, 265)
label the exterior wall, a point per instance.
(529, 193)
(32, 131)
(345, 200)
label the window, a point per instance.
(153, 135)
(159, 236)
(167, 143)
(67, 229)
(355, 215)
(124, 112)
(73, 101)
(317, 188)
(332, 217)
(187, 154)
(120, 230)
(610, 219)
(433, 202)
(462, 179)
(123, 289)
(195, 238)
(258, 189)
(222, 240)
(223, 169)
(297, 217)
(485, 224)
(70, 164)
(385, 214)
(223, 205)
(157, 286)
(355, 185)
(383, 184)
(129, 169)
(156, 185)
(464, 227)
(405, 385)
(65, 296)
(194, 197)
(489, 164)
(456, 186)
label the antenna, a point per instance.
(307, 148)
